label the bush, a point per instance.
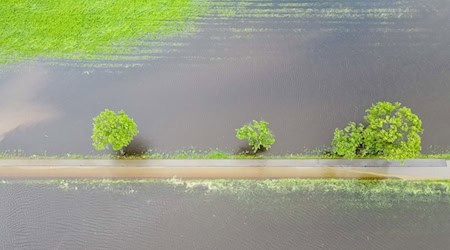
(257, 134)
(349, 142)
(111, 128)
(392, 132)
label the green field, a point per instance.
(111, 30)
(88, 29)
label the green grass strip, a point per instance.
(192, 154)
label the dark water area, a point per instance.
(157, 216)
(306, 67)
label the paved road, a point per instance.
(232, 169)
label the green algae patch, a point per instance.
(85, 29)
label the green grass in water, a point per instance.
(347, 194)
(80, 29)
(280, 186)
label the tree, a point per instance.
(349, 141)
(258, 135)
(392, 132)
(117, 130)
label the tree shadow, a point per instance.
(246, 150)
(138, 146)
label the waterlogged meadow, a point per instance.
(83, 29)
(117, 31)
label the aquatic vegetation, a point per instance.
(257, 134)
(347, 194)
(287, 186)
(84, 29)
(262, 194)
(438, 188)
(117, 130)
(393, 132)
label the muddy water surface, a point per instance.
(157, 216)
(306, 67)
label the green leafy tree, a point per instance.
(111, 128)
(349, 141)
(258, 135)
(393, 132)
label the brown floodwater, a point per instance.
(157, 216)
(306, 69)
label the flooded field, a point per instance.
(288, 214)
(306, 67)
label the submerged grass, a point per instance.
(81, 29)
(279, 186)
(352, 193)
(344, 194)
(287, 186)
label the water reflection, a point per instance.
(20, 102)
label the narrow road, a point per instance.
(416, 169)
